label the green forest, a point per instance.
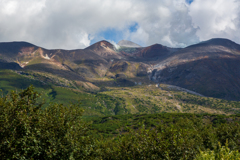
(32, 128)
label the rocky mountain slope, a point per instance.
(210, 68)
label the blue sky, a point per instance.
(189, 1)
(116, 35)
(113, 34)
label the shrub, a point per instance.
(220, 153)
(29, 132)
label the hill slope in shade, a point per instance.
(210, 68)
(156, 50)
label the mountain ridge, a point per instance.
(211, 64)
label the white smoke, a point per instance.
(116, 46)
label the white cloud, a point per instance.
(216, 18)
(140, 36)
(74, 23)
(9, 7)
(167, 23)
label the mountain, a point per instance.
(220, 42)
(156, 50)
(148, 79)
(103, 49)
(210, 68)
(129, 44)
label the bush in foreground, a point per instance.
(29, 132)
(222, 152)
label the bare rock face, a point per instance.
(103, 49)
(126, 43)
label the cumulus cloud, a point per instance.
(216, 18)
(71, 24)
(166, 22)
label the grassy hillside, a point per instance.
(114, 100)
(152, 99)
(10, 80)
(93, 104)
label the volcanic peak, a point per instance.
(101, 45)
